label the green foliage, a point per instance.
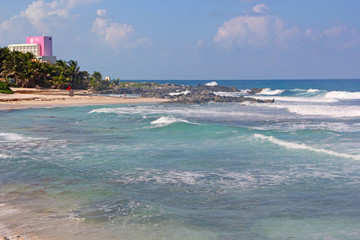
(96, 83)
(4, 88)
(26, 71)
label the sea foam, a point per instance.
(7, 210)
(180, 93)
(315, 99)
(4, 156)
(268, 91)
(164, 121)
(342, 95)
(302, 146)
(317, 110)
(13, 137)
(211, 84)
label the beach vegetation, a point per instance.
(26, 71)
(96, 83)
(4, 88)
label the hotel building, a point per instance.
(40, 46)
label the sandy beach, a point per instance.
(42, 98)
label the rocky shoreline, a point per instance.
(186, 94)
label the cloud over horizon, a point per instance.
(116, 34)
(40, 14)
(262, 30)
(255, 31)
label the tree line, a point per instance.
(23, 70)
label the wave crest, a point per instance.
(164, 121)
(211, 84)
(302, 146)
(268, 91)
(342, 95)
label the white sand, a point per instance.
(35, 98)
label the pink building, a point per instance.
(40, 46)
(45, 44)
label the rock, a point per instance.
(185, 94)
(254, 91)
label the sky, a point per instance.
(195, 39)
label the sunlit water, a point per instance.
(287, 170)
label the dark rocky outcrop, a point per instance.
(254, 91)
(186, 94)
(211, 97)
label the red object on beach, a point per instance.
(69, 88)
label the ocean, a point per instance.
(283, 170)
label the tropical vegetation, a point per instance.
(23, 70)
(4, 88)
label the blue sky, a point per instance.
(195, 39)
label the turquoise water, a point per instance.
(288, 170)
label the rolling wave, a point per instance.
(343, 95)
(319, 110)
(295, 95)
(302, 146)
(315, 99)
(268, 91)
(164, 121)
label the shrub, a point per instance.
(4, 88)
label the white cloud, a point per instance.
(309, 32)
(262, 30)
(199, 44)
(256, 31)
(101, 12)
(40, 13)
(6, 25)
(116, 34)
(333, 32)
(260, 8)
(337, 37)
(73, 3)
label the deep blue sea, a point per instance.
(227, 171)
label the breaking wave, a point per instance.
(299, 99)
(343, 95)
(13, 137)
(180, 93)
(164, 121)
(318, 110)
(268, 91)
(302, 146)
(211, 84)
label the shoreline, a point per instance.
(24, 98)
(28, 98)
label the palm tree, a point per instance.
(27, 72)
(4, 53)
(73, 72)
(16, 66)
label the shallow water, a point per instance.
(209, 171)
